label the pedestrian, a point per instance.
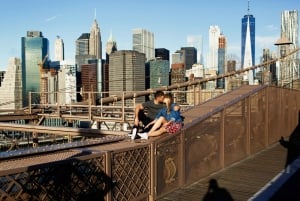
(168, 119)
(146, 113)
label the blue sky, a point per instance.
(171, 21)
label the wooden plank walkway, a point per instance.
(241, 180)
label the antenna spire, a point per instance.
(248, 7)
(95, 13)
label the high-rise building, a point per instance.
(248, 45)
(212, 60)
(290, 30)
(162, 53)
(196, 42)
(95, 43)
(35, 49)
(59, 49)
(190, 56)
(157, 73)
(111, 46)
(186, 55)
(11, 87)
(196, 72)
(231, 65)
(67, 83)
(143, 42)
(177, 57)
(89, 81)
(268, 74)
(221, 61)
(127, 72)
(82, 50)
(89, 49)
(177, 77)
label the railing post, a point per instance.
(248, 124)
(90, 106)
(123, 110)
(200, 94)
(194, 95)
(222, 139)
(266, 91)
(29, 103)
(153, 172)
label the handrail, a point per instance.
(195, 82)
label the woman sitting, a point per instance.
(168, 119)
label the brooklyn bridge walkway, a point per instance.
(244, 179)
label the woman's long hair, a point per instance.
(169, 103)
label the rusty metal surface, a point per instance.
(72, 177)
(167, 164)
(242, 180)
(202, 149)
(217, 104)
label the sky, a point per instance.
(171, 21)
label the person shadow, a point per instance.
(292, 145)
(216, 193)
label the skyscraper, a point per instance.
(177, 77)
(212, 61)
(58, 49)
(186, 55)
(88, 46)
(158, 73)
(190, 56)
(248, 45)
(221, 61)
(11, 89)
(196, 42)
(111, 46)
(290, 30)
(95, 43)
(162, 53)
(82, 50)
(143, 42)
(127, 72)
(89, 80)
(35, 49)
(67, 83)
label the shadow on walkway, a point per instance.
(292, 145)
(290, 190)
(216, 193)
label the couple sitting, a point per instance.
(162, 115)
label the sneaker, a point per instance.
(133, 133)
(144, 136)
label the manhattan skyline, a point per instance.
(171, 22)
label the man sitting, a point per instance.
(147, 111)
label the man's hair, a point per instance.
(158, 94)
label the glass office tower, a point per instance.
(248, 27)
(35, 49)
(143, 42)
(248, 45)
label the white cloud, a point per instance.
(50, 18)
(266, 41)
(272, 27)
